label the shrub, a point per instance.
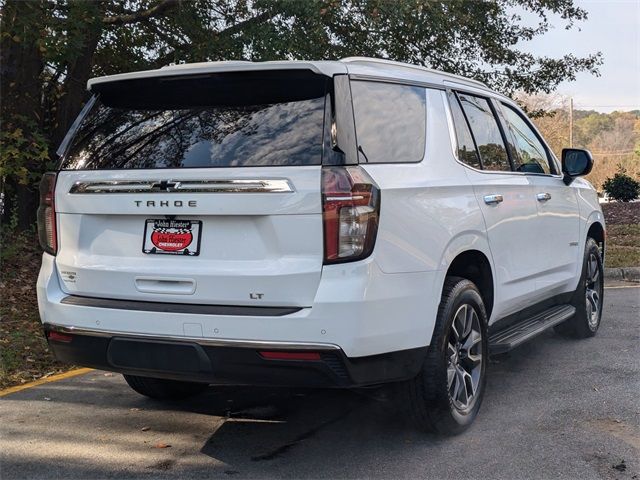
(622, 187)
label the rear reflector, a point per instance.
(306, 356)
(59, 337)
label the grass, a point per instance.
(623, 245)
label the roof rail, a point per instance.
(414, 67)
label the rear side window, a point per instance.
(466, 148)
(531, 154)
(224, 121)
(486, 132)
(390, 121)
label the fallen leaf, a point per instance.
(621, 467)
(162, 445)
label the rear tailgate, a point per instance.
(197, 189)
(255, 248)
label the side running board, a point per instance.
(514, 335)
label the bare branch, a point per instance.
(135, 17)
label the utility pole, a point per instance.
(570, 122)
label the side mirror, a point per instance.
(575, 163)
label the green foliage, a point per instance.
(23, 151)
(622, 187)
(467, 37)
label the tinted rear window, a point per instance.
(390, 121)
(213, 124)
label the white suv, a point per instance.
(322, 224)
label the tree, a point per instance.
(50, 48)
(622, 187)
(613, 138)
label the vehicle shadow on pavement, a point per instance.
(271, 430)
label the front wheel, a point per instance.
(446, 395)
(162, 389)
(588, 297)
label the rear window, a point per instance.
(390, 121)
(217, 121)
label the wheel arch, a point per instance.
(596, 229)
(597, 232)
(474, 265)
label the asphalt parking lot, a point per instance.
(555, 408)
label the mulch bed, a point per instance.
(620, 213)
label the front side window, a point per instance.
(390, 121)
(531, 155)
(486, 132)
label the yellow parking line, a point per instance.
(623, 286)
(52, 378)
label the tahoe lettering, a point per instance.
(166, 203)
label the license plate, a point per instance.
(172, 237)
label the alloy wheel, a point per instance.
(464, 353)
(593, 284)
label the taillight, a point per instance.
(351, 208)
(47, 214)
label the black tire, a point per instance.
(161, 389)
(590, 292)
(430, 395)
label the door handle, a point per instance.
(543, 197)
(493, 199)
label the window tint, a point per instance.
(287, 133)
(390, 121)
(466, 148)
(531, 154)
(486, 132)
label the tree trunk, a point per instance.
(21, 61)
(21, 66)
(78, 72)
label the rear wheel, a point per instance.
(162, 389)
(588, 297)
(446, 395)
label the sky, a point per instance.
(613, 28)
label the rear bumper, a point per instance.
(357, 308)
(228, 362)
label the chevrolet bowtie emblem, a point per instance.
(164, 186)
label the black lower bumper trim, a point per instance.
(188, 361)
(138, 305)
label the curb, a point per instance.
(627, 274)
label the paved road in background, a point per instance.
(555, 408)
